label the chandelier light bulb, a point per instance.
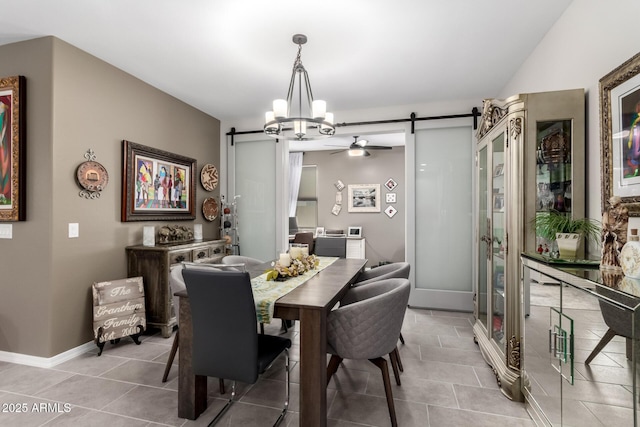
(280, 108)
(319, 109)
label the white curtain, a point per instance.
(295, 172)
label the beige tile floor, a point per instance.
(445, 383)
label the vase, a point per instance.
(630, 259)
(568, 244)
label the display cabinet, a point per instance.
(530, 158)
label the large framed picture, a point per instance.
(13, 158)
(620, 135)
(364, 198)
(157, 185)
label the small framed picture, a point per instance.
(498, 202)
(390, 211)
(390, 184)
(391, 197)
(339, 185)
(319, 231)
(498, 170)
(354, 232)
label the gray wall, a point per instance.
(384, 236)
(75, 102)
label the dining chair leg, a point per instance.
(401, 338)
(172, 355)
(221, 383)
(381, 363)
(608, 336)
(394, 365)
(398, 360)
(332, 368)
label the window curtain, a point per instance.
(295, 172)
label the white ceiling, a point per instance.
(230, 59)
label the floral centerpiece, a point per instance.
(287, 266)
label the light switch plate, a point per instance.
(6, 231)
(74, 230)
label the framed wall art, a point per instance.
(157, 185)
(364, 198)
(12, 149)
(620, 135)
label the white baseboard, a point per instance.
(45, 362)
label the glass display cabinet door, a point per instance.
(498, 223)
(553, 178)
(484, 246)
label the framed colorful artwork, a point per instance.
(12, 149)
(157, 185)
(620, 135)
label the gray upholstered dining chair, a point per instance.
(226, 343)
(386, 271)
(331, 246)
(238, 259)
(368, 328)
(619, 321)
(176, 284)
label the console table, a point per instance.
(154, 263)
(572, 374)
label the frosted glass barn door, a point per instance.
(255, 183)
(443, 218)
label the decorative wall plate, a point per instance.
(209, 177)
(91, 176)
(210, 209)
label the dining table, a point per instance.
(309, 303)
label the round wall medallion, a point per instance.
(209, 177)
(210, 208)
(92, 176)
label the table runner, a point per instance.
(266, 292)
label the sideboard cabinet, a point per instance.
(154, 263)
(529, 159)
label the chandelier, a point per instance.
(287, 119)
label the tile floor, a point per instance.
(445, 383)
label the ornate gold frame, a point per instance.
(623, 73)
(13, 157)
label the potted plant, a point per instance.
(567, 232)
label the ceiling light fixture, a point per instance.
(287, 120)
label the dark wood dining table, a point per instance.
(310, 303)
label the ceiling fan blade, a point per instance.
(339, 151)
(378, 147)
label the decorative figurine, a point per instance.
(614, 233)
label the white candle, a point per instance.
(285, 260)
(149, 236)
(197, 231)
(295, 252)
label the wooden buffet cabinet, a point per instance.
(154, 263)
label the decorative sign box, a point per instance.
(118, 310)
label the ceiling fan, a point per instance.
(357, 147)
